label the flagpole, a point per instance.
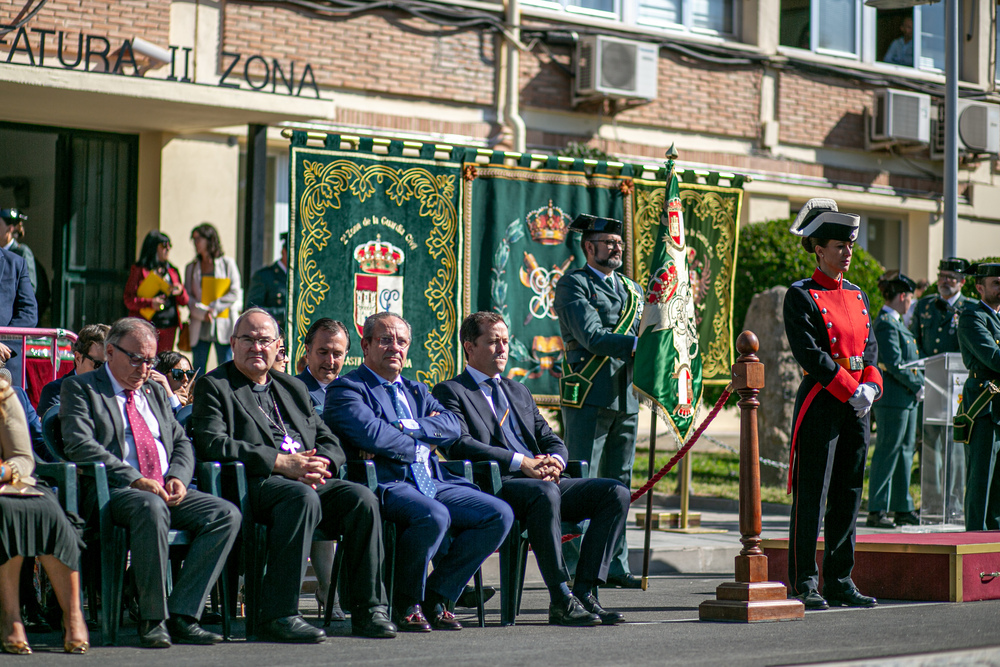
(649, 500)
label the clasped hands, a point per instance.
(172, 491)
(544, 467)
(303, 466)
(863, 398)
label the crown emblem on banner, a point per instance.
(378, 257)
(547, 225)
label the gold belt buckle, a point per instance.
(857, 363)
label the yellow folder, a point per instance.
(151, 285)
(212, 288)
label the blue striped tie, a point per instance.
(420, 475)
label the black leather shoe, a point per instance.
(291, 630)
(879, 520)
(907, 519)
(571, 613)
(185, 630)
(590, 603)
(153, 634)
(623, 581)
(468, 599)
(442, 619)
(852, 597)
(812, 600)
(373, 623)
(412, 619)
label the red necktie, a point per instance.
(145, 445)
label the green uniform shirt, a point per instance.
(935, 324)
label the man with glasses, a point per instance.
(244, 412)
(397, 422)
(88, 355)
(599, 311)
(116, 416)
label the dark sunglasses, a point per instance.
(178, 375)
(97, 362)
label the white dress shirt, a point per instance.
(129, 454)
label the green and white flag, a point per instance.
(668, 370)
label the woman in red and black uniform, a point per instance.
(830, 333)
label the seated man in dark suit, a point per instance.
(500, 422)
(398, 423)
(244, 411)
(115, 415)
(88, 355)
(327, 344)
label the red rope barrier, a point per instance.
(639, 493)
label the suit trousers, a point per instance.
(543, 506)
(214, 525)
(982, 475)
(478, 523)
(829, 468)
(606, 439)
(293, 510)
(892, 460)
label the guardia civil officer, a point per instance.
(599, 311)
(935, 317)
(896, 411)
(830, 333)
(979, 338)
(269, 286)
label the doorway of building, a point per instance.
(78, 189)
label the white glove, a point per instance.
(863, 398)
(920, 395)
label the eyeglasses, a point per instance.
(250, 341)
(97, 362)
(610, 243)
(134, 359)
(179, 374)
(281, 354)
(387, 341)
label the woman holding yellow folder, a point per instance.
(216, 290)
(154, 290)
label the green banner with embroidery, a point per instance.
(514, 251)
(376, 230)
(710, 206)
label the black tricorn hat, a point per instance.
(13, 215)
(955, 264)
(898, 283)
(985, 270)
(819, 218)
(591, 223)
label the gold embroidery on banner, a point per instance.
(325, 183)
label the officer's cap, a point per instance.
(820, 219)
(954, 264)
(985, 270)
(12, 216)
(591, 223)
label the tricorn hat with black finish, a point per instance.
(955, 264)
(897, 283)
(591, 223)
(984, 270)
(820, 219)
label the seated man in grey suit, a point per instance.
(500, 422)
(116, 416)
(245, 411)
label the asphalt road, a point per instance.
(663, 628)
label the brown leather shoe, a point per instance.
(412, 619)
(442, 619)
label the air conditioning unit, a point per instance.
(901, 116)
(978, 129)
(616, 67)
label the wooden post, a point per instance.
(751, 597)
(649, 500)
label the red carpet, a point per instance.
(955, 567)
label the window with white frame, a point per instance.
(910, 37)
(711, 17)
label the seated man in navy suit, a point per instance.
(399, 424)
(500, 422)
(327, 344)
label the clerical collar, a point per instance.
(262, 388)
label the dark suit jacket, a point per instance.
(93, 429)
(359, 411)
(229, 426)
(50, 393)
(481, 438)
(316, 392)
(17, 300)
(588, 311)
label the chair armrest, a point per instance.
(459, 468)
(209, 475)
(487, 476)
(96, 471)
(580, 469)
(363, 472)
(63, 477)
